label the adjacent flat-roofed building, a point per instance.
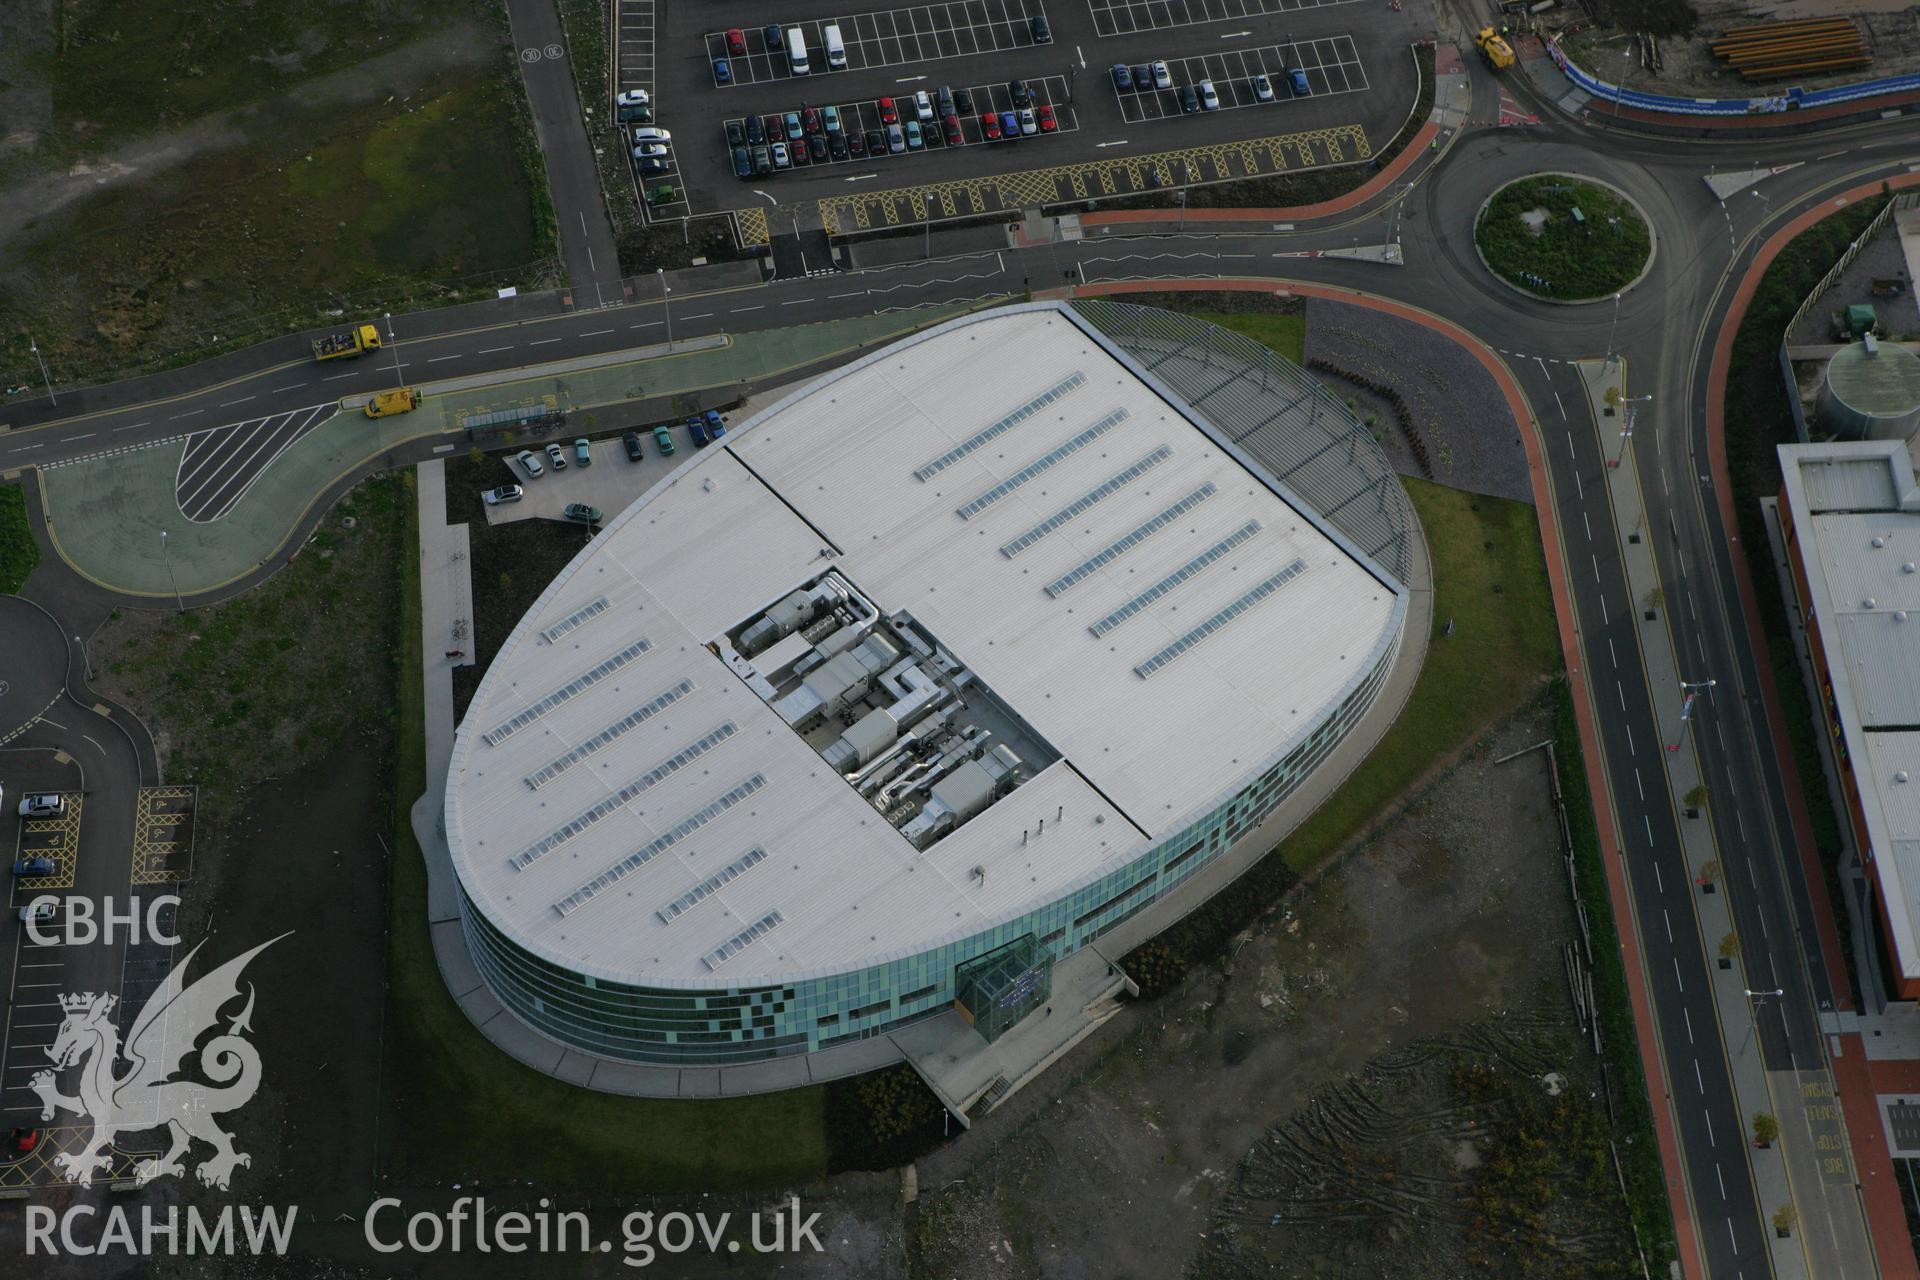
(909, 688)
(1850, 515)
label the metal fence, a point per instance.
(1281, 417)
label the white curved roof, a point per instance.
(1270, 630)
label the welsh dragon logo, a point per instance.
(163, 1039)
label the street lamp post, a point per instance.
(167, 553)
(1753, 1018)
(1620, 91)
(1612, 328)
(927, 197)
(666, 302)
(86, 659)
(393, 345)
(42, 362)
(1626, 428)
(1691, 689)
(1186, 180)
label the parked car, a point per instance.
(698, 430)
(1209, 97)
(915, 139)
(716, 425)
(817, 149)
(889, 113)
(1029, 122)
(1189, 99)
(876, 142)
(26, 867)
(776, 129)
(923, 107)
(556, 457)
(951, 126)
(830, 119)
(1047, 121)
(583, 452)
(857, 145)
(583, 513)
(1162, 78)
(762, 162)
(943, 102)
(1122, 77)
(662, 194)
(896, 140)
(736, 133)
(742, 163)
(651, 166)
(1262, 87)
(837, 145)
(794, 131)
(1009, 125)
(633, 106)
(1021, 95)
(810, 120)
(778, 154)
(22, 1141)
(736, 42)
(1298, 79)
(39, 909)
(1042, 33)
(652, 151)
(631, 441)
(632, 98)
(722, 71)
(42, 804)
(962, 102)
(529, 464)
(990, 126)
(504, 494)
(798, 150)
(663, 440)
(776, 41)
(648, 133)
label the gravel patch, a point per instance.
(1471, 439)
(1880, 260)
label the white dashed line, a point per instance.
(90, 435)
(487, 351)
(228, 404)
(597, 333)
(541, 342)
(291, 386)
(1689, 1018)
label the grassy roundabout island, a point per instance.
(1555, 236)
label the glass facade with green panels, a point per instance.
(635, 1023)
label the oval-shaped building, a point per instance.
(909, 690)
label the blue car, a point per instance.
(775, 40)
(697, 428)
(1122, 78)
(1009, 125)
(33, 867)
(1298, 79)
(722, 72)
(715, 427)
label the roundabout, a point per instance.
(1560, 238)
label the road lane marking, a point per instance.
(737, 310)
(438, 359)
(703, 315)
(1669, 919)
(1689, 1018)
(1716, 1167)
(1643, 797)
(541, 342)
(596, 333)
(90, 435)
(291, 386)
(336, 377)
(1579, 489)
(1660, 883)
(1589, 524)
(1605, 621)
(1709, 1115)
(1610, 652)
(228, 404)
(188, 414)
(1698, 1082)
(1629, 729)
(487, 351)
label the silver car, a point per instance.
(505, 493)
(529, 464)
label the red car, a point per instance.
(21, 1142)
(737, 42)
(1047, 123)
(776, 131)
(888, 113)
(810, 120)
(952, 126)
(990, 127)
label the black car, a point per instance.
(817, 149)
(962, 102)
(1142, 78)
(1042, 34)
(857, 145)
(736, 135)
(943, 103)
(837, 144)
(1189, 100)
(742, 163)
(876, 142)
(1021, 95)
(762, 162)
(755, 133)
(632, 442)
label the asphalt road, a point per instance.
(1665, 333)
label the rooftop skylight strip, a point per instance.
(1127, 542)
(1051, 458)
(1086, 502)
(742, 940)
(578, 618)
(712, 884)
(632, 720)
(658, 845)
(1220, 619)
(1186, 571)
(565, 693)
(1012, 420)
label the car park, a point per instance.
(1042, 33)
(962, 102)
(1162, 78)
(1209, 96)
(42, 804)
(1048, 123)
(896, 139)
(722, 71)
(698, 430)
(923, 107)
(857, 145)
(742, 163)
(1021, 95)
(1009, 125)
(817, 149)
(1189, 99)
(736, 42)
(915, 140)
(1122, 77)
(630, 440)
(583, 452)
(529, 464)
(889, 113)
(778, 154)
(1029, 123)
(583, 513)
(1298, 79)
(951, 126)
(504, 494)
(1262, 87)
(990, 126)
(663, 440)
(876, 142)
(556, 457)
(25, 867)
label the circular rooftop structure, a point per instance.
(920, 682)
(1871, 391)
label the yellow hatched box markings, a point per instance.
(163, 835)
(1120, 175)
(55, 838)
(753, 226)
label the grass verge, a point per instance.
(1286, 334)
(1590, 242)
(1639, 1151)
(459, 1109)
(19, 553)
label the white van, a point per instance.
(836, 48)
(797, 52)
